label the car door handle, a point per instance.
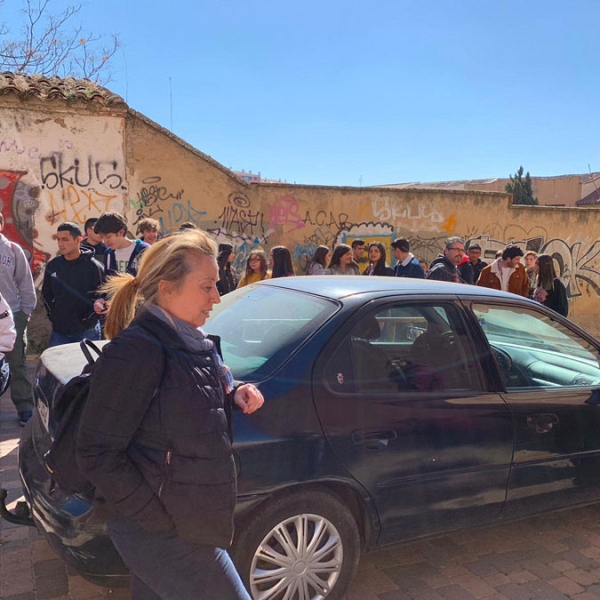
(373, 440)
(542, 423)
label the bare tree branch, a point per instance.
(48, 45)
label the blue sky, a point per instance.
(365, 93)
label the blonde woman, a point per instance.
(154, 435)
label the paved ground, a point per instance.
(550, 558)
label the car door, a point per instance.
(404, 406)
(552, 379)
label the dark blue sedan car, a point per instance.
(395, 409)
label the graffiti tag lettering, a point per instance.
(56, 171)
(77, 205)
(149, 198)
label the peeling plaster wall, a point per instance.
(60, 163)
(55, 167)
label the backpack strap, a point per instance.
(85, 344)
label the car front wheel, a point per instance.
(302, 547)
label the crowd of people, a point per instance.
(535, 279)
(76, 302)
(76, 305)
(161, 376)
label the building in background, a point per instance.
(560, 190)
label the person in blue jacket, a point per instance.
(408, 265)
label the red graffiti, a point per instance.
(18, 216)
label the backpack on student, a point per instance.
(60, 460)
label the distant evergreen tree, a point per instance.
(520, 188)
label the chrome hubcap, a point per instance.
(299, 559)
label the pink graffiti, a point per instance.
(286, 214)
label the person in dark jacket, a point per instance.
(445, 266)
(377, 261)
(227, 277)
(474, 253)
(408, 265)
(154, 437)
(93, 241)
(549, 289)
(70, 287)
(466, 271)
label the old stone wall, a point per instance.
(61, 163)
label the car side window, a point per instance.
(535, 351)
(402, 349)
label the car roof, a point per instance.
(339, 287)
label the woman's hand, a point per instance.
(248, 398)
(100, 306)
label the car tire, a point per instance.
(272, 557)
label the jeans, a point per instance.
(21, 390)
(93, 333)
(165, 567)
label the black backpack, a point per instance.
(60, 460)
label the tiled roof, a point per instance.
(58, 88)
(590, 199)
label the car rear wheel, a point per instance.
(301, 547)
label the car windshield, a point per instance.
(260, 326)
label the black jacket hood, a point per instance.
(224, 252)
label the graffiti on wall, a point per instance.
(238, 220)
(78, 189)
(12, 146)
(155, 200)
(419, 216)
(76, 204)
(152, 197)
(58, 171)
(18, 204)
(242, 226)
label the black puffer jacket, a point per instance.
(441, 269)
(154, 437)
(227, 278)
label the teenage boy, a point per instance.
(122, 254)
(93, 241)
(358, 255)
(474, 253)
(408, 265)
(71, 282)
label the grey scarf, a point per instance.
(194, 339)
